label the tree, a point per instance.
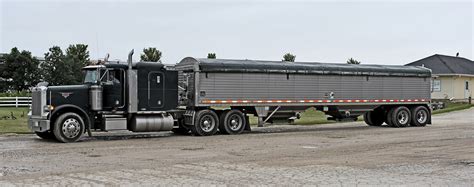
(77, 56)
(289, 57)
(211, 55)
(352, 61)
(55, 69)
(20, 69)
(151, 54)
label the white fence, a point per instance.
(15, 101)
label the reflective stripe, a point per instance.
(318, 101)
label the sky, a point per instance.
(373, 32)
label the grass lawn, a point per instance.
(10, 125)
(452, 107)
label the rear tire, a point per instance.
(232, 122)
(206, 123)
(419, 116)
(400, 116)
(388, 118)
(68, 127)
(374, 118)
(47, 135)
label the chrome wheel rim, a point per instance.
(235, 122)
(207, 123)
(71, 128)
(421, 116)
(402, 117)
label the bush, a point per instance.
(16, 94)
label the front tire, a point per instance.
(232, 122)
(68, 127)
(206, 123)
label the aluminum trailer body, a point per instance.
(340, 90)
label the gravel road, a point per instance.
(332, 154)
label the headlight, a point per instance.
(48, 108)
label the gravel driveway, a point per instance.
(331, 154)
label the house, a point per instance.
(452, 76)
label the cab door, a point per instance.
(156, 90)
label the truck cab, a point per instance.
(113, 96)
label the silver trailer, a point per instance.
(275, 90)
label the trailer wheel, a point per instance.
(388, 117)
(68, 127)
(48, 135)
(400, 116)
(374, 118)
(206, 123)
(232, 122)
(419, 116)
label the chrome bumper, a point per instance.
(38, 125)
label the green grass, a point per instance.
(14, 126)
(450, 107)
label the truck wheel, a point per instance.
(68, 127)
(232, 122)
(388, 117)
(206, 123)
(419, 116)
(47, 135)
(374, 118)
(400, 116)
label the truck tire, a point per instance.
(232, 122)
(388, 118)
(68, 127)
(47, 135)
(206, 123)
(419, 116)
(374, 118)
(400, 116)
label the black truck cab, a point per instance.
(113, 96)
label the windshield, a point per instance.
(90, 76)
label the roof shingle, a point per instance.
(443, 64)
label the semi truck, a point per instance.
(208, 96)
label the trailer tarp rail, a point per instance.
(228, 65)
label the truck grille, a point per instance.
(36, 102)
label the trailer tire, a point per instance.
(206, 123)
(388, 118)
(68, 127)
(232, 122)
(47, 135)
(400, 116)
(419, 116)
(374, 118)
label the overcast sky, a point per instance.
(374, 32)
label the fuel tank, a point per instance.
(151, 123)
